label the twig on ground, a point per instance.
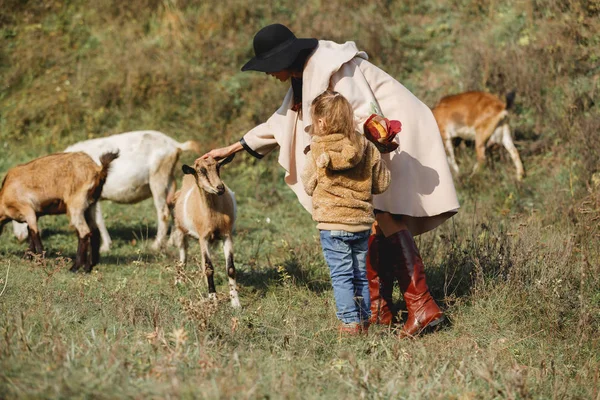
(5, 280)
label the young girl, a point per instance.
(343, 171)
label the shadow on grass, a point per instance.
(292, 273)
(132, 232)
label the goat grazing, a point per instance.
(144, 169)
(205, 210)
(477, 116)
(63, 183)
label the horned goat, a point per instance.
(205, 209)
(63, 183)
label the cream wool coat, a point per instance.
(422, 190)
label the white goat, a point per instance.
(144, 169)
(205, 209)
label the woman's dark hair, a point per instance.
(298, 66)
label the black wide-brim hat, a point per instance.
(276, 48)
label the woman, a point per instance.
(421, 195)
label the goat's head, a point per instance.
(207, 174)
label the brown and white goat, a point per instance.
(477, 116)
(63, 183)
(205, 209)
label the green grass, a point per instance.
(517, 271)
(522, 298)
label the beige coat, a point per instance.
(422, 190)
(342, 181)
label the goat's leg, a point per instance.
(228, 251)
(161, 182)
(83, 258)
(483, 132)
(35, 242)
(171, 206)
(480, 151)
(508, 144)
(31, 250)
(106, 240)
(450, 152)
(90, 215)
(180, 240)
(208, 269)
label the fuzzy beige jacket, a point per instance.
(342, 181)
(422, 190)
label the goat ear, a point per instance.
(187, 170)
(226, 160)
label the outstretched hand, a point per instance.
(217, 154)
(223, 152)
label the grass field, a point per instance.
(517, 270)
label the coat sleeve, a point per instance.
(261, 140)
(309, 175)
(381, 174)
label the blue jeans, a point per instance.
(346, 255)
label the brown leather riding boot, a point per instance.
(381, 281)
(423, 312)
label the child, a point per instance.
(343, 171)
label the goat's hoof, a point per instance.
(157, 246)
(235, 303)
(104, 248)
(212, 296)
(74, 268)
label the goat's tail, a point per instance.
(191, 145)
(510, 99)
(105, 160)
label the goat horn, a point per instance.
(226, 160)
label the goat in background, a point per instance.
(477, 116)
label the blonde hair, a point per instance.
(337, 114)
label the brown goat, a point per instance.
(63, 183)
(477, 116)
(205, 210)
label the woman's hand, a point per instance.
(223, 152)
